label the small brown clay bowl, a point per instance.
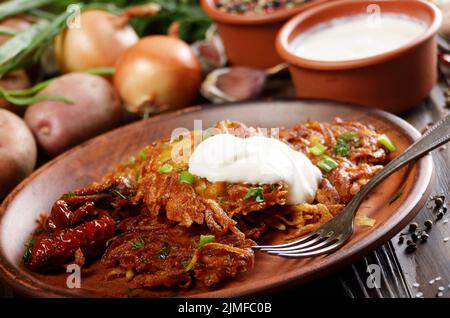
(394, 81)
(92, 160)
(249, 40)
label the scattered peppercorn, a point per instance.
(413, 226)
(440, 215)
(424, 237)
(428, 224)
(411, 248)
(401, 239)
(256, 6)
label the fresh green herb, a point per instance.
(69, 195)
(344, 142)
(318, 149)
(186, 177)
(165, 168)
(387, 143)
(142, 154)
(28, 100)
(164, 252)
(205, 239)
(257, 193)
(101, 71)
(140, 243)
(327, 164)
(27, 46)
(7, 31)
(396, 196)
(10, 8)
(28, 246)
(193, 22)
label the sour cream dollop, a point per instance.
(256, 160)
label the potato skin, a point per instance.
(57, 126)
(18, 151)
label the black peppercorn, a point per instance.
(424, 237)
(413, 226)
(428, 224)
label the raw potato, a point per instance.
(12, 81)
(58, 126)
(17, 151)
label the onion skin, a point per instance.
(157, 73)
(99, 42)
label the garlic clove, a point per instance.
(233, 84)
(210, 53)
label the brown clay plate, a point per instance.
(91, 160)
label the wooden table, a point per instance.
(400, 272)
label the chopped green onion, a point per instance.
(206, 134)
(189, 265)
(318, 149)
(165, 168)
(386, 143)
(257, 193)
(164, 252)
(342, 146)
(186, 177)
(139, 244)
(327, 164)
(205, 239)
(142, 154)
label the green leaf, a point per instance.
(25, 101)
(20, 42)
(38, 44)
(257, 193)
(10, 8)
(7, 31)
(28, 247)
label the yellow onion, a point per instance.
(157, 73)
(99, 41)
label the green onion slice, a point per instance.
(165, 168)
(386, 143)
(186, 177)
(318, 149)
(205, 239)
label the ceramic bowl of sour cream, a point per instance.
(375, 53)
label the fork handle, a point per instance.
(436, 136)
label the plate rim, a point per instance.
(422, 185)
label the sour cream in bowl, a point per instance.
(373, 53)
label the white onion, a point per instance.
(157, 73)
(100, 40)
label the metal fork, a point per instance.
(333, 234)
